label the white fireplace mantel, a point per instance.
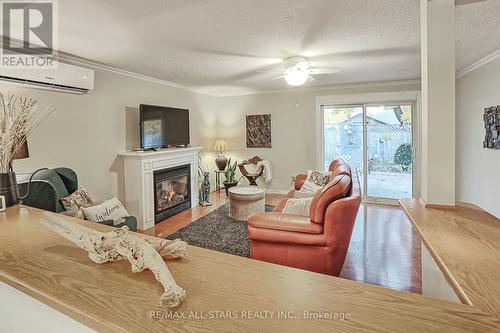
(139, 168)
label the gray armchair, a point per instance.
(50, 186)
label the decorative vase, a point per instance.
(228, 185)
(221, 162)
(8, 188)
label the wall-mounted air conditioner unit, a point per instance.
(65, 78)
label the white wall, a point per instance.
(293, 126)
(477, 168)
(438, 102)
(87, 131)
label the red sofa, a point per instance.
(316, 243)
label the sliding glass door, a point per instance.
(343, 136)
(389, 151)
(377, 141)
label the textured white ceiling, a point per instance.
(224, 47)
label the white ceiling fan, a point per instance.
(299, 70)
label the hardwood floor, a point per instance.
(179, 221)
(384, 249)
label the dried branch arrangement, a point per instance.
(19, 117)
(118, 244)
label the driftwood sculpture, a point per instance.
(118, 244)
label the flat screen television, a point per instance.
(163, 127)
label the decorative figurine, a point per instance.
(205, 190)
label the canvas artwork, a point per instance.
(492, 126)
(259, 131)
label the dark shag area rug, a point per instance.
(217, 231)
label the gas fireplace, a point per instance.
(172, 191)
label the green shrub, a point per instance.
(403, 155)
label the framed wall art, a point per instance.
(491, 119)
(259, 131)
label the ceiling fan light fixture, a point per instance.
(302, 65)
(296, 77)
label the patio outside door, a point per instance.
(379, 137)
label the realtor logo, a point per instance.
(28, 31)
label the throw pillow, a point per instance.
(298, 206)
(77, 200)
(109, 210)
(74, 213)
(315, 181)
(299, 194)
(319, 178)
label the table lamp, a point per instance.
(221, 160)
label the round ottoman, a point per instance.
(246, 200)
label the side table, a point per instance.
(218, 182)
(246, 200)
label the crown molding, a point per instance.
(480, 63)
(74, 60)
(330, 87)
(466, 2)
(78, 61)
